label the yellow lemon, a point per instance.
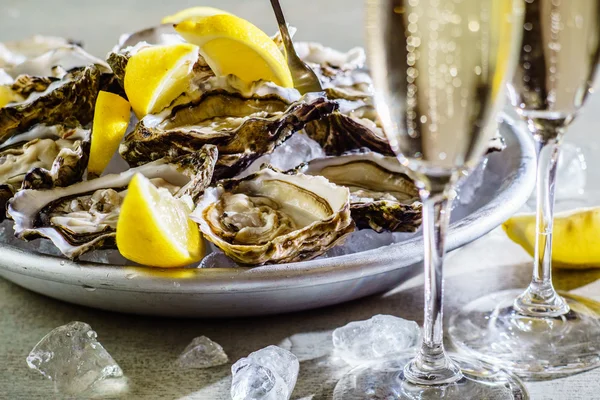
(157, 75)
(576, 237)
(111, 118)
(193, 14)
(8, 96)
(232, 45)
(154, 228)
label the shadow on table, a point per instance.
(146, 347)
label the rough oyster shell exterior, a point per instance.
(73, 96)
(282, 208)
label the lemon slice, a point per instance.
(232, 45)
(111, 119)
(193, 14)
(575, 237)
(157, 75)
(154, 228)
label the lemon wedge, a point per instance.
(8, 96)
(193, 14)
(154, 228)
(157, 75)
(232, 45)
(111, 119)
(575, 241)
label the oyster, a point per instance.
(382, 196)
(355, 124)
(272, 217)
(83, 216)
(43, 157)
(73, 96)
(60, 84)
(244, 122)
(16, 52)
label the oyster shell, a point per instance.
(43, 157)
(355, 124)
(83, 216)
(272, 217)
(15, 52)
(244, 122)
(382, 195)
(72, 96)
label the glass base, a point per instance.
(535, 348)
(386, 381)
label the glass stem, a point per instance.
(432, 366)
(540, 298)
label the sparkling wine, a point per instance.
(440, 69)
(558, 58)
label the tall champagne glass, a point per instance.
(537, 332)
(439, 70)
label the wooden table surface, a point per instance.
(146, 347)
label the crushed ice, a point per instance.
(266, 374)
(73, 359)
(376, 338)
(202, 353)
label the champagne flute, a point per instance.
(439, 69)
(538, 333)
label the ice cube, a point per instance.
(362, 240)
(296, 150)
(73, 359)
(217, 259)
(266, 374)
(571, 176)
(379, 337)
(202, 353)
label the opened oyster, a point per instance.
(382, 196)
(244, 122)
(83, 217)
(355, 124)
(60, 84)
(272, 217)
(42, 158)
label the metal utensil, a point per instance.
(305, 79)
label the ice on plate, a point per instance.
(375, 338)
(202, 353)
(73, 359)
(266, 374)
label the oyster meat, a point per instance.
(243, 121)
(83, 216)
(41, 158)
(273, 217)
(382, 196)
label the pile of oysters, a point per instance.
(199, 146)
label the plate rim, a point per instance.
(279, 277)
